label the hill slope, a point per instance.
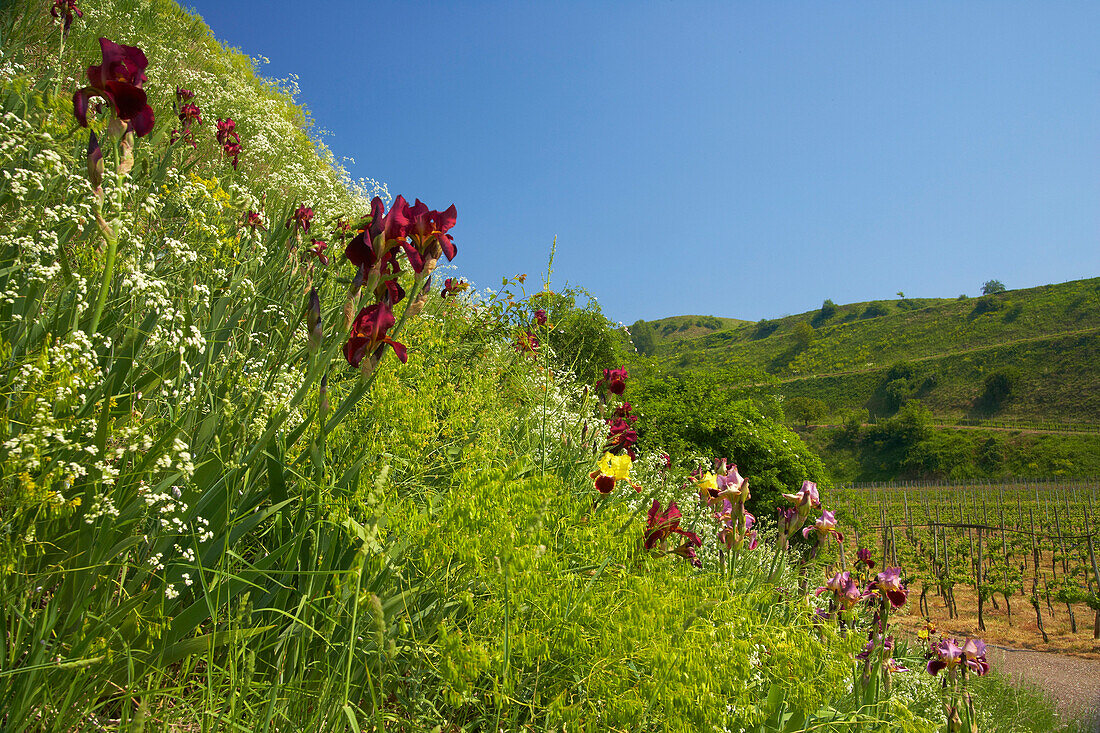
(1043, 339)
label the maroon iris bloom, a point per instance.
(453, 286)
(232, 151)
(540, 317)
(863, 555)
(389, 289)
(189, 113)
(227, 131)
(318, 250)
(65, 10)
(383, 227)
(623, 411)
(253, 220)
(616, 380)
(428, 231)
(527, 342)
(118, 80)
(229, 139)
(368, 335)
(184, 95)
(300, 219)
(662, 525)
(621, 436)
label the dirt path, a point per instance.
(1073, 683)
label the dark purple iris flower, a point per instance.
(527, 342)
(317, 249)
(118, 80)
(620, 436)
(253, 220)
(863, 555)
(452, 286)
(540, 316)
(65, 10)
(368, 335)
(383, 229)
(428, 231)
(661, 525)
(300, 219)
(623, 411)
(227, 131)
(189, 113)
(616, 380)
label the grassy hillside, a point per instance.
(1020, 360)
(1046, 337)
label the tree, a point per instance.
(692, 414)
(803, 335)
(992, 287)
(641, 333)
(805, 409)
(828, 310)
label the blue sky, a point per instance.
(742, 159)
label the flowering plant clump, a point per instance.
(230, 140)
(662, 525)
(189, 116)
(64, 10)
(452, 286)
(368, 336)
(118, 80)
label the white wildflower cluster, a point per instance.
(178, 457)
(102, 506)
(285, 384)
(45, 392)
(9, 70)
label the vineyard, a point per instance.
(1015, 560)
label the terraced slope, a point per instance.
(1044, 342)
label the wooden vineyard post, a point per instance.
(893, 547)
(1061, 544)
(949, 590)
(978, 581)
(1004, 547)
(1035, 581)
(1095, 571)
